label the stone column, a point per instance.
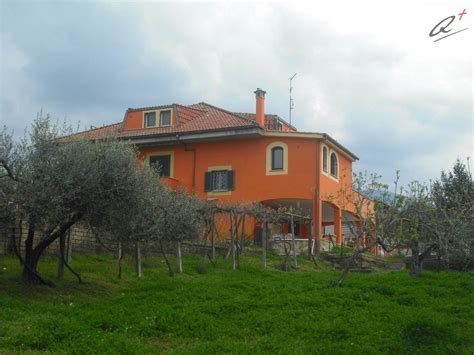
(338, 225)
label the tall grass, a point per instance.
(216, 310)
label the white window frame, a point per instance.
(145, 119)
(158, 118)
(171, 118)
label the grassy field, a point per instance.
(251, 310)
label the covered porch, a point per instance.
(335, 227)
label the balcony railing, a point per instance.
(172, 183)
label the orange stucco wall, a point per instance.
(331, 187)
(247, 157)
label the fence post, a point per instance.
(138, 260)
(264, 244)
(179, 256)
(310, 242)
(295, 260)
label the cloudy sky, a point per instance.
(368, 73)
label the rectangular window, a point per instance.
(150, 119)
(277, 158)
(165, 118)
(162, 163)
(220, 180)
(325, 159)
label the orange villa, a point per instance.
(235, 156)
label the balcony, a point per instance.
(172, 183)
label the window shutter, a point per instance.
(230, 179)
(208, 181)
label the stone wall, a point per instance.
(84, 241)
(82, 237)
(278, 241)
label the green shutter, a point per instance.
(208, 181)
(230, 179)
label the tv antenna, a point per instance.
(292, 103)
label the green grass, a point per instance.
(337, 250)
(251, 310)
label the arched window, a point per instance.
(334, 163)
(325, 159)
(277, 158)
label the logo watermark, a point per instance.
(442, 26)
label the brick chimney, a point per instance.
(260, 110)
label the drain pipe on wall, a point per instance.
(193, 150)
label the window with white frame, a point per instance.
(165, 118)
(150, 119)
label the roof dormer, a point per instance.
(150, 117)
(158, 118)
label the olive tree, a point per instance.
(53, 183)
(377, 209)
(419, 224)
(181, 220)
(453, 197)
(439, 218)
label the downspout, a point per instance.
(193, 150)
(317, 204)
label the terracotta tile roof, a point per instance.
(186, 114)
(96, 133)
(217, 118)
(201, 117)
(193, 118)
(270, 120)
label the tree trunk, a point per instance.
(29, 241)
(310, 244)
(170, 269)
(17, 249)
(30, 272)
(415, 260)
(30, 269)
(179, 257)
(30, 265)
(138, 260)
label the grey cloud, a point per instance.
(90, 61)
(87, 58)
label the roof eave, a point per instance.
(216, 134)
(314, 135)
(341, 147)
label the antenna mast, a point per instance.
(292, 104)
